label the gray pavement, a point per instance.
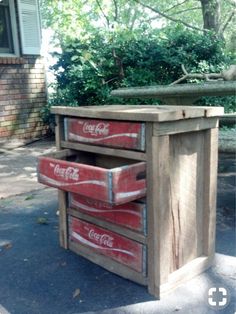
(18, 172)
(37, 276)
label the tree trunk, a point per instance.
(211, 15)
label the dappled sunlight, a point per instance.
(18, 171)
(3, 242)
(7, 226)
(29, 168)
(3, 310)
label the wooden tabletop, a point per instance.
(139, 113)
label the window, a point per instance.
(8, 40)
(28, 27)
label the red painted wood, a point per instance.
(129, 183)
(130, 135)
(106, 242)
(94, 182)
(130, 215)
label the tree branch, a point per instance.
(167, 16)
(116, 10)
(103, 13)
(186, 10)
(175, 6)
(119, 64)
(229, 19)
(232, 2)
(226, 75)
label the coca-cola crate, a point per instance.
(96, 180)
(128, 135)
(109, 243)
(131, 215)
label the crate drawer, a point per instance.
(131, 215)
(90, 175)
(127, 135)
(108, 243)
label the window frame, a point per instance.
(15, 40)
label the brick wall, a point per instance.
(22, 95)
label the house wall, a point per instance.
(22, 96)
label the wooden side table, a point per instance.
(178, 199)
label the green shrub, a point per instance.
(87, 71)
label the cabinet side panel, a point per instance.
(187, 196)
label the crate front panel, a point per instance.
(128, 135)
(108, 243)
(74, 177)
(92, 181)
(130, 215)
(123, 179)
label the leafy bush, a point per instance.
(87, 71)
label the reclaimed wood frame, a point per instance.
(172, 141)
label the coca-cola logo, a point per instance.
(100, 128)
(103, 239)
(97, 204)
(67, 173)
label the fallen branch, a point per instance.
(226, 75)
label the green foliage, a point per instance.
(87, 70)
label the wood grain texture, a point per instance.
(158, 211)
(63, 228)
(187, 194)
(62, 195)
(184, 126)
(153, 211)
(163, 207)
(139, 113)
(181, 173)
(185, 273)
(210, 189)
(59, 130)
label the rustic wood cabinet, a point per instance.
(156, 225)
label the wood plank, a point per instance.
(108, 263)
(152, 234)
(214, 111)
(162, 212)
(210, 189)
(62, 195)
(63, 229)
(183, 126)
(185, 273)
(105, 224)
(59, 130)
(137, 113)
(158, 210)
(105, 150)
(186, 195)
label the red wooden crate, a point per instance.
(129, 135)
(130, 215)
(106, 242)
(115, 186)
